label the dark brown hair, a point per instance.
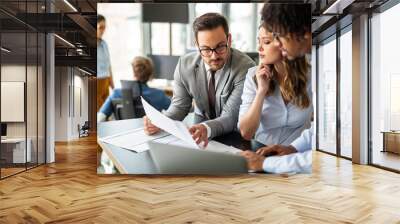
(100, 18)
(142, 68)
(210, 21)
(293, 86)
(287, 18)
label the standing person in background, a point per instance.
(104, 74)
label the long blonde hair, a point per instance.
(293, 86)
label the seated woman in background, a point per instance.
(276, 101)
(142, 71)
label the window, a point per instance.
(123, 35)
(327, 96)
(179, 39)
(385, 85)
(22, 76)
(160, 38)
(242, 26)
(202, 8)
(346, 94)
(127, 36)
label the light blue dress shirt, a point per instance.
(279, 123)
(103, 60)
(300, 162)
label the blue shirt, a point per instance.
(155, 97)
(279, 123)
(103, 60)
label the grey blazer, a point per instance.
(190, 83)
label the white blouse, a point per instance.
(279, 123)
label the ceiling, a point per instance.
(330, 16)
(76, 25)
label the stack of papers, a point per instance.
(175, 133)
(139, 144)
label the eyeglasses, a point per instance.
(207, 52)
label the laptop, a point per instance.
(172, 159)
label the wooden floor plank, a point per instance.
(70, 191)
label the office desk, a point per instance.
(13, 150)
(129, 162)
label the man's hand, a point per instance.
(149, 128)
(254, 161)
(199, 133)
(279, 150)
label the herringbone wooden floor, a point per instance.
(70, 191)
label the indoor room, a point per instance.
(60, 161)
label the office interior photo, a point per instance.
(53, 168)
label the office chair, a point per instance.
(131, 103)
(117, 106)
(84, 130)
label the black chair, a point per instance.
(117, 106)
(84, 129)
(130, 105)
(254, 56)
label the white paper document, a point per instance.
(175, 133)
(175, 128)
(135, 139)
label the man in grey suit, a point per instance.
(213, 77)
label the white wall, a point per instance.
(33, 127)
(71, 94)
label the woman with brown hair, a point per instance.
(276, 101)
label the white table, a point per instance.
(18, 149)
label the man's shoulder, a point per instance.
(190, 59)
(241, 63)
(239, 57)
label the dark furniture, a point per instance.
(391, 141)
(3, 129)
(130, 105)
(84, 129)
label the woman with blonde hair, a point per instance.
(276, 101)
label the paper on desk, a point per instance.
(175, 128)
(133, 139)
(212, 145)
(136, 140)
(219, 147)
